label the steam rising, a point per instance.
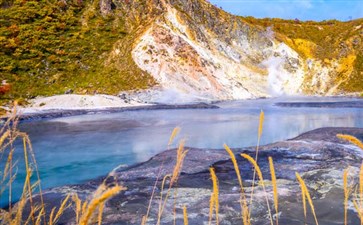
(277, 75)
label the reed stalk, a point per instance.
(185, 215)
(174, 133)
(274, 185)
(346, 195)
(260, 129)
(98, 201)
(181, 154)
(259, 173)
(243, 200)
(351, 139)
(306, 196)
(214, 197)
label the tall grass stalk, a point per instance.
(174, 133)
(174, 205)
(259, 173)
(260, 129)
(214, 202)
(53, 219)
(161, 202)
(211, 208)
(97, 201)
(351, 139)
(181, 154)
(243, 200)
(28, 180)
(39, 217)
(77, 206)
(274, 185)
(306, 196)
(100, 213)
(359, 210)
(346, 195)
(185, 215)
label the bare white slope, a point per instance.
(76, 102)
(216, 70)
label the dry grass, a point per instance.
(260, 129)
(185, 215)
(259, 173)
(173, 179)
(358, 204)
(174, 133)
(306, 196)
(98, 201)
(214, 200)
(346, 195)
(54, 219)
(180, 156)
(274, 185)
(351, 139)
(243, 200)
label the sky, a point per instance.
(316, 10)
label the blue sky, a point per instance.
(290, 9)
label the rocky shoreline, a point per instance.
(339, 104)
(56, 113)
(317, 155)
(73, 105)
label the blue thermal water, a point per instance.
(76, 149)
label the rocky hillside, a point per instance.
(188, 46)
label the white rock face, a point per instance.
(216, 70)
(74, 102)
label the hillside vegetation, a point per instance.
(57, 46)
(49, 47)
